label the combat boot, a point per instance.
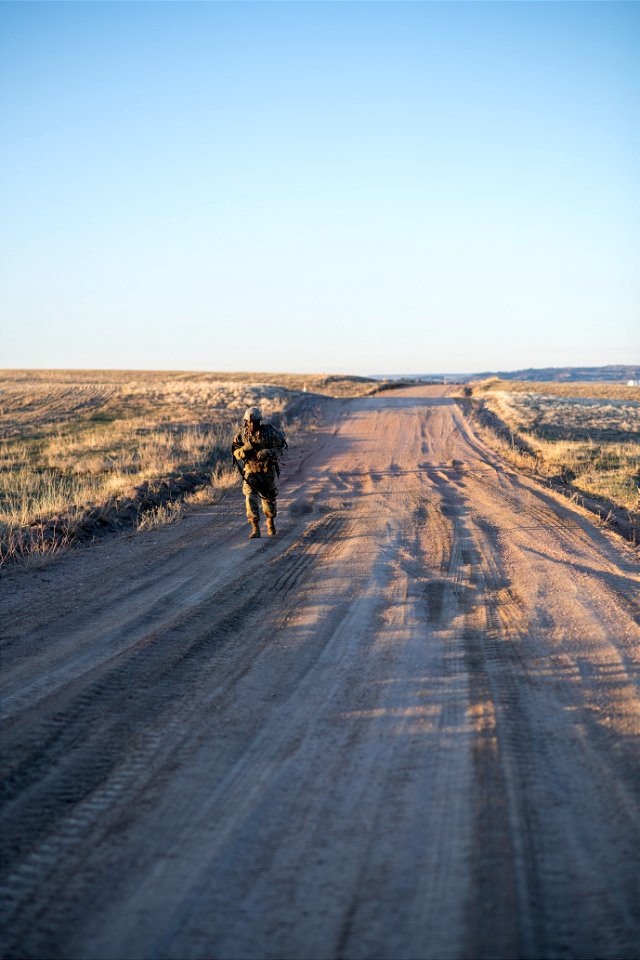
(255, 530)
(271, 527)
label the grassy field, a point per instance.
(78, 447)
(586, 433)
(582, 391)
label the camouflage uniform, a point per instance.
(256, 454)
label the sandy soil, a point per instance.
(404, 728)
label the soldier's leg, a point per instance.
(252, 503)
(270, 510)
(270, 507)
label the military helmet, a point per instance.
(252, 413)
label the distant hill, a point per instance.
(614, 373)
(566, 374)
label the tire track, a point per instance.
(90, 784)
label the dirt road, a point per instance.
(405, 728)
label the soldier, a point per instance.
(256, 449)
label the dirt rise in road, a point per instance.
(405, 728)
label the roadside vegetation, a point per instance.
(584, 437)
(83, 451)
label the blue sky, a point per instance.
(359, 187)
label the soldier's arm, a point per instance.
(274, 444)
(236, 448)
(241, 450)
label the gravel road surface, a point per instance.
(406, 727)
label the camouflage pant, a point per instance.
(266, 491)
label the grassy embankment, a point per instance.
(583, 435)
(81, 450)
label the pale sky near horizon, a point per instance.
(358, 187)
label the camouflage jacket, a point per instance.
(259, 452)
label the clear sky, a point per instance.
(360, 187)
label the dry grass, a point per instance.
(33, 400)
(73, 467)
(160, 516)
(589, 434)
(222, 478)
(587, 389)
(38, 550)
(78, 441)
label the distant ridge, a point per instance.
(618, 373)
(612, 372)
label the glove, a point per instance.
(262, 455)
